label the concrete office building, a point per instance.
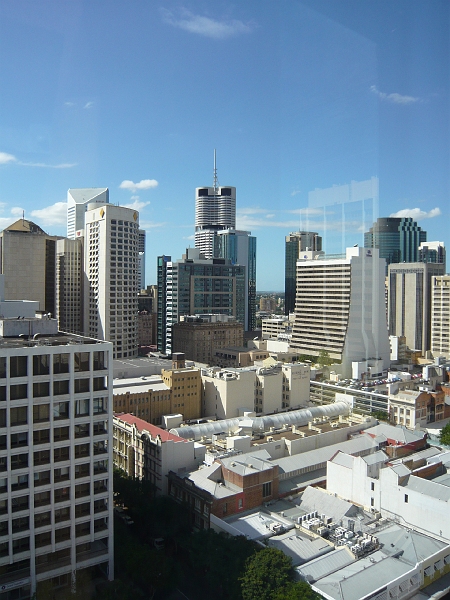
(340, 309)
(69, 284)
(186, 386)
(196, 285)
(240, 248)
(397, 239)
(296, 242)
(440, 315)
(111, 267)
(78, 200)
(26, 245)
(199, 336)
(215, 210)
(56, 497)
(409, 302)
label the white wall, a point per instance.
(224, 397)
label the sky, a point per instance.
(295, 96)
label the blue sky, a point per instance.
(294, 96)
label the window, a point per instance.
(3, 528)
(61, 535)
(41, 478)
(99, 447)
(61, 363)
(19, 439)
(61, 387)
(99, 361)
(41, 364)
(82, 510)
(3, 367)
(81, 430)
(372, 486)
(99, 384)
(81, 450)
(43, 539)
(18, 482)
(41, 436)
(82, 385)
(41, 498)
(18, 392)
(60, 434)
(99, 405)
(81, 407)
(62, 494)
(42, 519)
(81, 361)
(100, 506)
(82, 470)
(60, 454)
(61, 474)
(41, 389)
(19, 461)
(62, 514)
(2, 417)
(18, 416)
(61, 410)
(82, 529)
(2, 393)
(99, 428)
(18, 366)
(3, 507)
(20, 503)
(101, 466)
(406, 498)
(267, 489)
(20, 524)
(100, 486)
(41, 413)
(83, 489)
(21, 545)
(41, 457)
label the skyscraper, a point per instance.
(440, 316)
(433, 252)
(397, 239)
(141, 259)
(409, 302)
(69, 284)
(340, 308)
(196, 285)
(111, 269)
(215, 210)
(240, 248)
(77, 203)
(296, 242)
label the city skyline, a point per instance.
(296, 98)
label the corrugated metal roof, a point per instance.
(142, 425)
(325, 565)
(300, 547)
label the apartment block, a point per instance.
(440, 316)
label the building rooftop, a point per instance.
(142, 426)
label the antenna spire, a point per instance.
(215, 180)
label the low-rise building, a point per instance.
(199, 336)
(147, 452)
(186, 386)
(417, 408)
(275, 326)
(238, 357)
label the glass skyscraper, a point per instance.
(397, 239)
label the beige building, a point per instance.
(147, 452)
(440, 316)
(226, 393)
(277, 326)
(24, 243)
(199, 336)
(417, 408)
(186, 386)
(238, 357)
(147, 398)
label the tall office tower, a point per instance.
(77, 203)
(409, 302)
(56, 495)
(28, 259)
(397, 239)
(440, 316)
(296, 242)
(69, 284)
(340, 308)
(111, 276)
(195, 285)
(433, 252)
(215, 210)
(141, 259)
(240, 248)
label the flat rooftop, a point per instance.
(59, 339)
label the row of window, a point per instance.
(18, 365)
(61, 410)
(42, 457)
(43, 436)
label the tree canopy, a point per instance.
(445, 435)
(265, 573)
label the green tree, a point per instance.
(445, 435)
(299, 590)
(324, 358)
(266, 572)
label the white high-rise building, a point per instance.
(77, 203)
(215, 210)
(111, 268)
(340, 308)
(56, 496)
(440, 316)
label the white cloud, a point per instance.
(69, 104)
(6, 158)
(45, 166)
(295, 192)
(189, 237)
(56, 214)
(136, 205)
(144, 184)
(17, 211)
(394, 97)
(270, 216)
(150, 224)
(205, 26)
(417, 214)
(88, 105)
